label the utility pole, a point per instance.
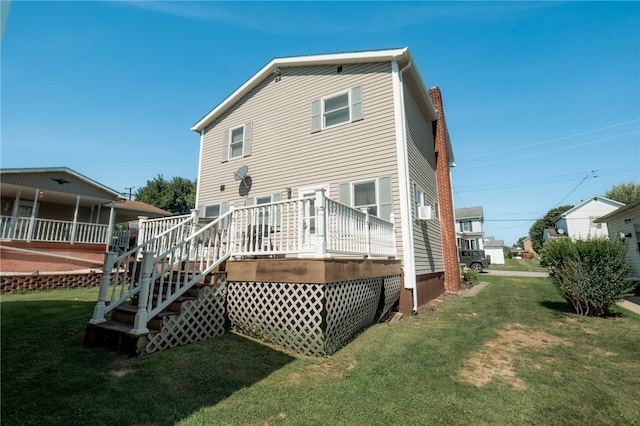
(129, 188)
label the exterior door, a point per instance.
(308, 216)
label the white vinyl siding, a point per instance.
(286, 155)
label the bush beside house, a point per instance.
(590, 274)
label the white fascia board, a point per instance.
(334, 58)
(66, 170)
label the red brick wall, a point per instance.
(9, 283)
(452, 271)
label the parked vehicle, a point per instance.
(474, 259)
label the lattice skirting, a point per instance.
(312, 319)
(198, 320)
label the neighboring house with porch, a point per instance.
(56, 219)
(581, 221)
(323, 194)
(469, 232)
(624, 223)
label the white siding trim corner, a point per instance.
(408, 258)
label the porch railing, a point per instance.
(38, 229)
(168, 263)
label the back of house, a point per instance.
(359, 125)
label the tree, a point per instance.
(626, 192)
(537, 229)
(177, 196)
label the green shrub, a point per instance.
(591, 274)
(470, 275)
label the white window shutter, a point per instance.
(246, 147)
(356, 103)
(224, 207)
(344, 193)
(316, 119)
(225, 146)
(385, 192)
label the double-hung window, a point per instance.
(364, 196)
(236, 142)
(339, 108)
(335, 110)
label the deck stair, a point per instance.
(116, 333)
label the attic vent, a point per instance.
(339, 69)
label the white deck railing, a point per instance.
(184, 250)
(59, 231)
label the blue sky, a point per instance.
(537, 95)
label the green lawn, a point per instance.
(529, 265)
(513, 354)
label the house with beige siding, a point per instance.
(323, 201)
(360, 126)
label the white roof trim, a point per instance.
(337, 58)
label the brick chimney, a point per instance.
(447, 219)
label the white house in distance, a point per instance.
(469, 230)
(580, 222)
(494, 249)
(625, 223)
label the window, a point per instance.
(465, 226)
(364, 195)
(212, 211)
(336, 109)
(236, 142)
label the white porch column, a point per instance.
(112, 219)
(74, 227)
(32, 220)
(321, 223)
(14, 215)
(367, 230)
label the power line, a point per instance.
(549, 152)
(554, 140)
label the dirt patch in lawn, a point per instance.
(495, 360)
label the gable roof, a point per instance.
(585, 202)
(401, 55)
(59, 184)
(469, 213)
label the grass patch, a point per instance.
(512, 354)
(528, 265)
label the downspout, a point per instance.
(406, 221)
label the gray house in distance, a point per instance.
(469, 232)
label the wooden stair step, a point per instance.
(119, 327)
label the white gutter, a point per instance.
(198, 182)
(406, 222)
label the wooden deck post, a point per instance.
(367, 230)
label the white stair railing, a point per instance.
(121, 273)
